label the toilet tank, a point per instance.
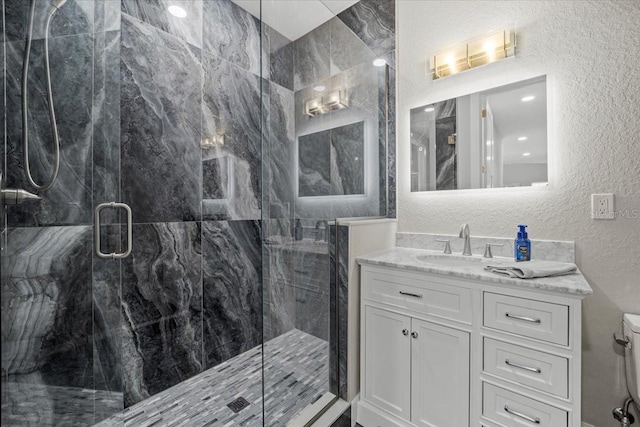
(631, 325)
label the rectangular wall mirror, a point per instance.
(490, 139)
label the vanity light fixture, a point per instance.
(528, 98)
(522, 138)
(336, 100)
(177, 11)
(473, 53)
(214, 141)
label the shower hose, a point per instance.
(25, 100)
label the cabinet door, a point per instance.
(440, 376)
(387, 361)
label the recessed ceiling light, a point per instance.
(319, 88)
(528, 98)
(429, 109)
(379, 62)
(177, 11)
(522, 138)
(526, 154)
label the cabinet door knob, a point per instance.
(405, 332)
(414, 334)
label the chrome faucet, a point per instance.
(464, 234)
(319, 230)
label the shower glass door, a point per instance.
(325, 157)
(159, 108)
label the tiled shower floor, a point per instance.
(296, 375)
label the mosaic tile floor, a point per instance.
(296, 375)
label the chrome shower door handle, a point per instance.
(96, 230)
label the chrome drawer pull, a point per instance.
(409, 294)
(523, 416)
(526, 368)
(524, 319)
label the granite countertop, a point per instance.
(472, 268)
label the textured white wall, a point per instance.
(590, 52)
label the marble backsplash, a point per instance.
(548, 250)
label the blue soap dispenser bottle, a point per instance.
(522, 245)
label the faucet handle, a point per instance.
(447, 246)
(487, 249)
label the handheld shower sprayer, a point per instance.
(55, 5)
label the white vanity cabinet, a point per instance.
(444, 351)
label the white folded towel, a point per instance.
(531, 269)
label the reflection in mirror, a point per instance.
(331, 162)
(490, 139)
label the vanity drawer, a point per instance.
(530, 318)
(542, 371)
(510, 409)
(432, 298)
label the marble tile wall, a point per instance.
(139, 92)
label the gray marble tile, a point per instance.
(107, 15)
(162, 308)
(347, 159)
(232, 281)
(232, 33)
(279, 289)
(160, 109)
(37, 405)
(279, 155)
(15, 20)
(216, 177)
(155, 12)
(342, 316)
(75, 17)
(391, 138)
(314, 164)
(281, 60)
(312, 57)
(234, 106)
(373, 21)
(446, 159)
(347, 50)
(46, 322)
(68, 201)
(107, 324)
(106, 121)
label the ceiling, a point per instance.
(295, 18)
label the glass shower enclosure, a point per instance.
(219, 144)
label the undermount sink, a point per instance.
(450, 260)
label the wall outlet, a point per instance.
(602, 206)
